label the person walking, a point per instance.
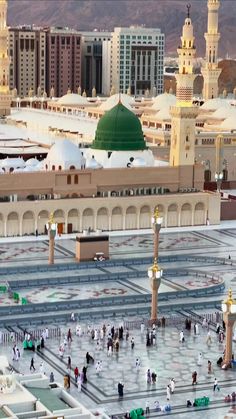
(51, 379)
(168, 392)
(199, 361)
(172, 385)
(181, 336)
(209, 338)
(209, 367)
(76, 374)
(137, 364)
(154, 377)
(216, 385)
(69, 363)
(147, 409)
(194, 378)
(32, 364)
(120, 389)
(132, 343)
(148, 376)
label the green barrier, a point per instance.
(202, 401)
(16, 296)
(24, 301)
(136, 413)
(3, 288)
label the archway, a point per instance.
(73, 221)
(43, 217)
(172, 215)
(103, 219)
(1, 225)
(145, 217)
(13, 224)
(88, 219)
(199, 214)
(59, 217)
(207, 175)
(117, 219)
(131, 218)
(186, 215)
(28, 223)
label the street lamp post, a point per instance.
(154, 272)
(51, 228)
(218, 179)
(229, 316)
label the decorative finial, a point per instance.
(119, 98)
(188, 10)
(156, 213)
(230, 297)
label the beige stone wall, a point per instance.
(112, 213)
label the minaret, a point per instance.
(182, 150)
(5, 96)
(211, 71)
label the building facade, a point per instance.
(63, 61)
(27, 50)
(137, 56)
(5, 97)
(92, 60)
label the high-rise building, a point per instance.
(211, 71)
(5, 97)
(182, 150)
(27, 49)
(92, 60)
(63, 60)
(137, 55)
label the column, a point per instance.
(228, 341)
(154, 299)
(51, 249)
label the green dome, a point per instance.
(119, 130)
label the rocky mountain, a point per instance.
(105, 14)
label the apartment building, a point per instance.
(137, 55)
(27, 51)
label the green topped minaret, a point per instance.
(119, 130)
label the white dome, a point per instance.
(165, 100)
(229, 123)
(139, 162)
(32, 162)
(92, 164)
(17, 162)
(216, 103)
(112, 101)
(65, 154)
(224, 112)
(163, 114)
(72, 99)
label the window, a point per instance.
(59, 167)
(76, 180)
(69, 180)
(53, 167)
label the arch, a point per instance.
(199, 214)
(53, 167)
(59, 217)
(131, 218)
(72, 167)
(28, 223)
(145, 217)
(88, 219)
(207, 175)
(102, 219)
(43, 217)
(73, 221)
(117, 219)
(186, 215)
(13, 224)
(1, 225)
(172, 215)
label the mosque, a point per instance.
(129, 167)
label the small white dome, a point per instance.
(92, 164)
(65, 154)
(112, 101)
(229, 123)
(17, 162)
(163, 114)
(224, 112)
(32, 162)
(72, 99)
(165, 100)
(139, 162)
(216, 103)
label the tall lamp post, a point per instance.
(218, 179)
(154, 272)
(229, 316)
(52, 229)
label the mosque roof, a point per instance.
(114, 99)
(64, 151)
(164, 100)
(224, 112)
(119, 130)
(216, 103)
(72, 99)
(163, 114)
